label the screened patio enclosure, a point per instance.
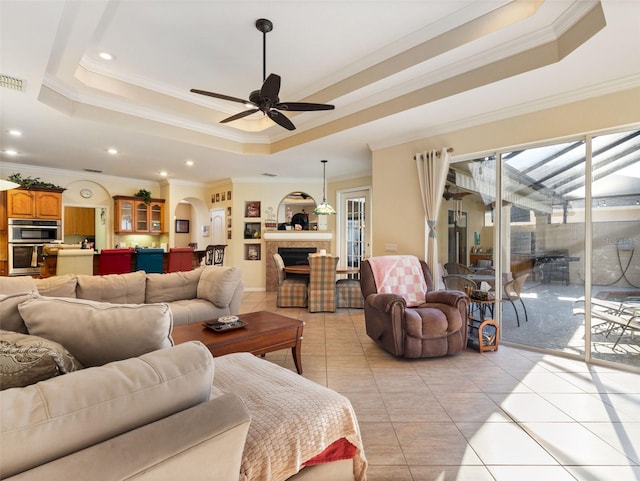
(569, 220)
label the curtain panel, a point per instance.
(433, 167)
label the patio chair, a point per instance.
(484, 263)
(469, 286)
(457, 268)
(512, 290)
(292, 292)
(614, 315)
(459, 283)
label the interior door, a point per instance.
(218, 227)
(354, 232)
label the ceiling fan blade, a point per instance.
(239, 115)
(219, 96)
(302, 106)
(281, 120)
(271, 88)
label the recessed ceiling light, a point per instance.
(15, 133)
(112, 151)
(189, 163)
(11, 152)
(105, 56)
(163, 173)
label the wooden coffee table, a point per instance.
(265, 332)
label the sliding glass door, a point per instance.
(559, 225)
(542, 249)
(615, 247)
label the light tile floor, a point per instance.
(501, 416)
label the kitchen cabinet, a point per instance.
(79, 221)
(34, 204)
(133, 216)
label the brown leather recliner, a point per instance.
(436, 328)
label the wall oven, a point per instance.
(25, 259)
(27, 238)
(33, 231)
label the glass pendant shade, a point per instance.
(324, 208)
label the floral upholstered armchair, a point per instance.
(404, 315)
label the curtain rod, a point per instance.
(449, 151)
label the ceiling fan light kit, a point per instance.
(266, 99)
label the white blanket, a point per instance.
(292, 418)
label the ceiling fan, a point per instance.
(448, 195)
(266, 99)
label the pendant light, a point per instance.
(324, 208)
(7, 185)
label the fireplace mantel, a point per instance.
(275, 239)
(292, 235)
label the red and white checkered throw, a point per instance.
(401, 275)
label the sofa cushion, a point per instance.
(99, 332)
(63, 415)
(194, 310)
(16, 285)
(217, 284)
(175, 286)
(10, 318)
(57, 286)
(115, 288)
(26, 359)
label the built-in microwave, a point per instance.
(32, 231)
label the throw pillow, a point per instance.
(116, 288)
(175, 286)
(98, 332)
(17, 284)
(26, 359)
(57, 286)
(10, 318)
(217, 284)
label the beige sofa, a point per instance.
(139, 418)
(198, 295)
(111, 398)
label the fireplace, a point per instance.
(299, 243)
(292, 256)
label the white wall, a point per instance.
(398, 216)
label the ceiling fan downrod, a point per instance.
(264, 26)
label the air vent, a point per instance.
(12, 83)
(93, 170)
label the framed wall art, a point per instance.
(182, 226)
